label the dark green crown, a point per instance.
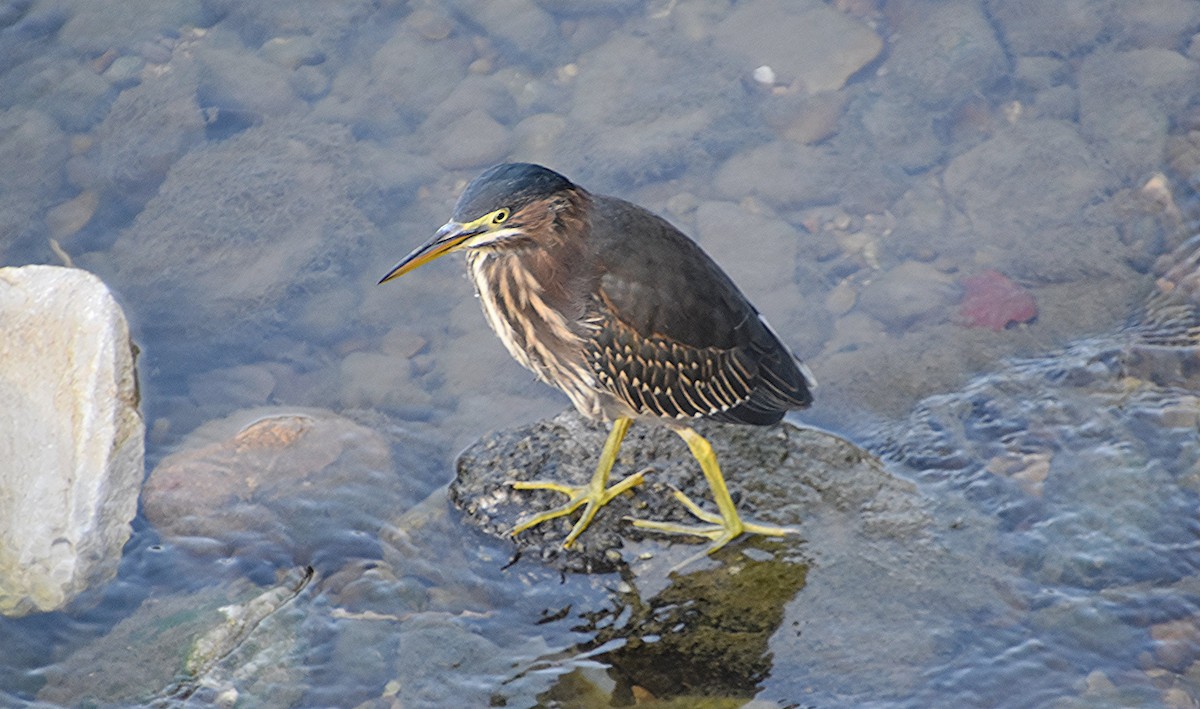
(510, 185)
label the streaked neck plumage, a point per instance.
(528, 289)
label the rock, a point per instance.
(782, 475)
(233, 78)
(292, 51)
(488, 95)
(1062, 28)
(29, 139)
(783, 173)
(1045, 167)
(1126, 104)
(905, 294)
(71, 216)
(802, 41)
(12, 11)
(1165, 24)
(148, 128)
(73, 444)
(515, 26)
(247, 486)
(589, 7)
(236, 227)
(475, 140)
(1042, 72)
(846, 170)
(240, 386)
(74, 95)
(332, 26)
(125, 71)
(171, 646)
(803, 118)
(432, 23)
(309, 83)
(761, 255)
(994, 301)
(401, 72)
(943, 51)
(537, 138)
(95, 28)
(372, 379)
(901, 127)
(866, 539)
(656, 128)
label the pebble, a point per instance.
(431, 23)
(841, 298)
(292, 52)
(69, 217)
(238, 386)
(909, 292)
(538, 138)
(798, 40)
(1032, 27)
(992, 300)
(309, 83)
(474, 140)
(125, 71)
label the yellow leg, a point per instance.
(595, 494)
(720, 528)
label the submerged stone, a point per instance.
(194, 645)
(280, 486)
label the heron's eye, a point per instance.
(499, 216)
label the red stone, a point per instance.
(991, 299)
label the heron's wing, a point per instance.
(672, 320)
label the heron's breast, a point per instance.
(540, 337)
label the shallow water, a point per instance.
(242, 175)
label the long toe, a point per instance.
(720, 529)
(590, 497)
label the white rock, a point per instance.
(71, 436)
(765, 75)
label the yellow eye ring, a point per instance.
(499, 216)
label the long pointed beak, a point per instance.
(449, 238)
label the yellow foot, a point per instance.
(591, 495)
(721, 530)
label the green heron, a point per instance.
(627, 316)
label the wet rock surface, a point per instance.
(781, 475)
(710, 620)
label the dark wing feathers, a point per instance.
(658, 377)
(675, 336)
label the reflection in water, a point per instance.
(705, 634)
